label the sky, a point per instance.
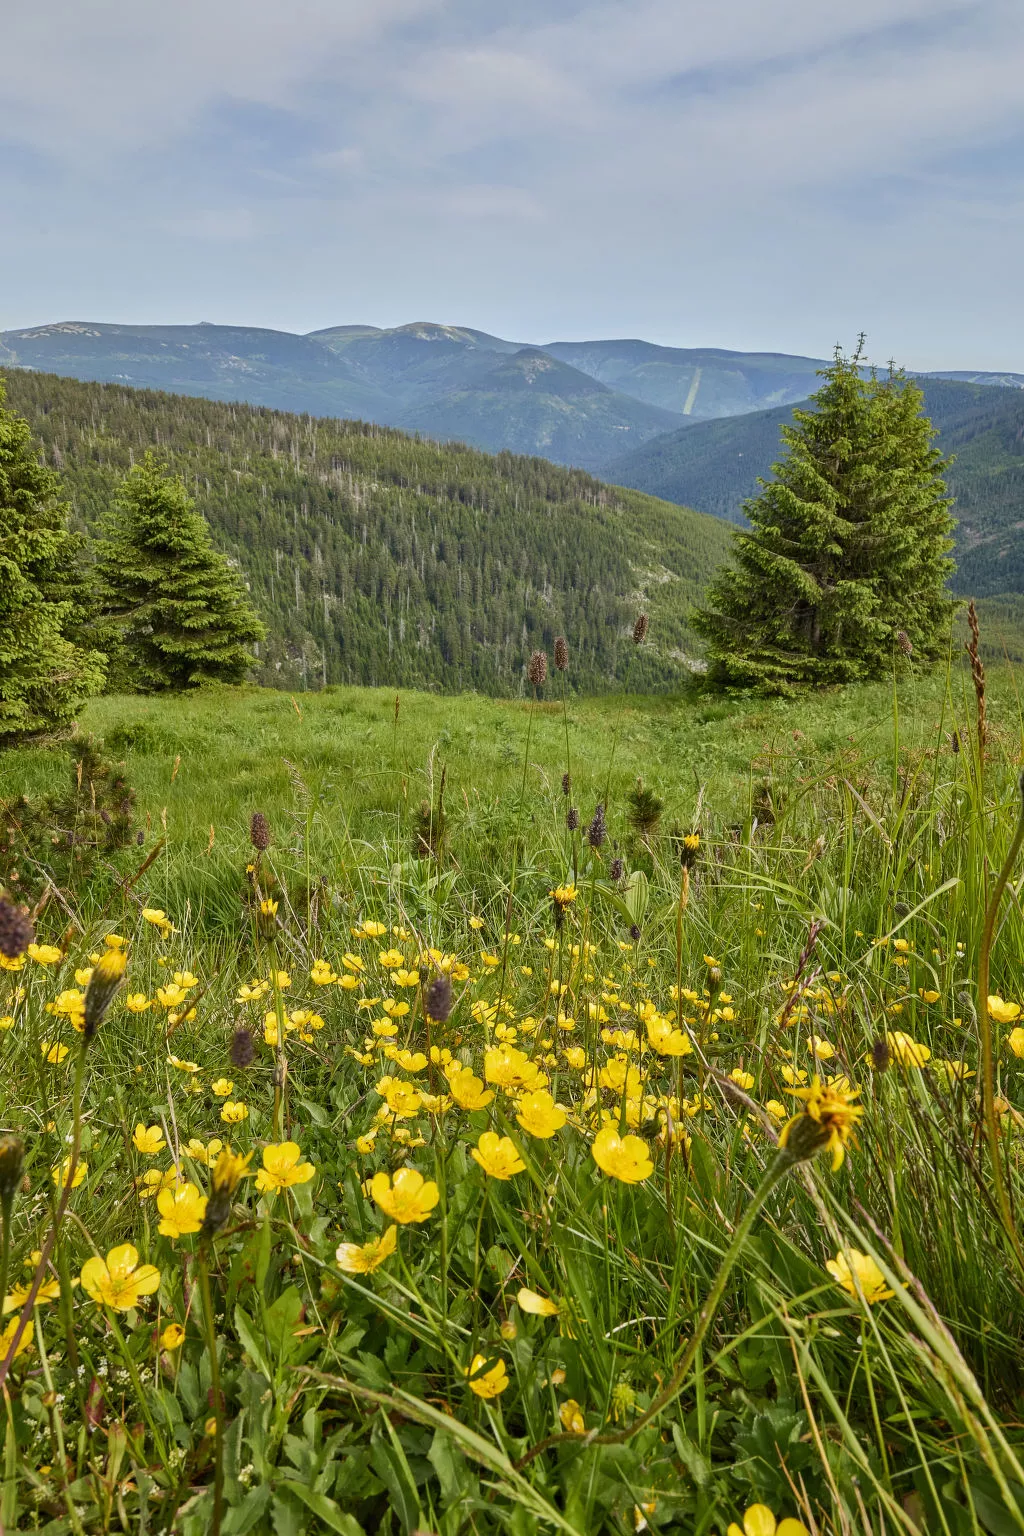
(770, 175)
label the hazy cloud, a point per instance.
(764, 173)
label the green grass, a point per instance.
(826, 825)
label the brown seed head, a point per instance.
(640, 629)
(438, 999)
(561, 655)
(537, 669)
(16, 931)
(259, 831)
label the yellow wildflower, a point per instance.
(364, 1258)
(487, 1380)
(622, 1157)
(408, 1197)
(497, 1155)
(282, 1168)
(852, 1268)
(119, 1281)
(149, 1140)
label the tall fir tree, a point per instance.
(847, 554)
(44, 676)
(177, 614)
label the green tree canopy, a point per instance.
(44, 676)
(847, 552)
(177, 613)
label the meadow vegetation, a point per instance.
(401, 1125)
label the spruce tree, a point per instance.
(847, 552)
(44, 677)
(179, 614)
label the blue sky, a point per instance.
(766, 174)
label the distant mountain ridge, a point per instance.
(443, 381)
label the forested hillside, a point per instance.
(714, 465)
(375, 558)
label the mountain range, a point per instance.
(582, 403)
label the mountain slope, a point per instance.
(435, 379)
(428, 378)
(375, 558)
(715, 465)
(697, 382)
(221, 362)
(530, 402)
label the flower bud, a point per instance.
(12, 1159)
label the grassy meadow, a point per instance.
(440, 1168)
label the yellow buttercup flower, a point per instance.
(497, 1155)
(18, 1295)
(282, 1168)
(119, 1281)
(622, 1157)
(25, 1342)
(159, 919)
(408, 1197)
(489, 1382)
(181, 1210)
(223, 1087)
(149, 1140)
(535, 1304)
(905, 1051)
(1003, 1013)
(137, 1002)
(155, 1180)
(539, 1115)
(183, 1066)
(60, 1174)
(53, 1052)
(571, 1416)
(44, 954)
(468, 1090)
(173, 1337)
(758, 1520)
(364, 1258)
(234, 1113)
(1015, 1040)
(852, 1268)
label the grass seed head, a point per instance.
(16, 930)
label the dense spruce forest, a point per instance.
(376, 558)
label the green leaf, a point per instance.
(280, 1321)
(325, 1509)
(245, 1515)
(246, 1330)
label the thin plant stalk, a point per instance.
(780, 1165)
(985, 1032)
(218, 1408)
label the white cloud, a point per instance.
(703, 171)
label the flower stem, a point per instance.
(218, 1411)
(777, 1168)
(985, 1031)
(25, 1315)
